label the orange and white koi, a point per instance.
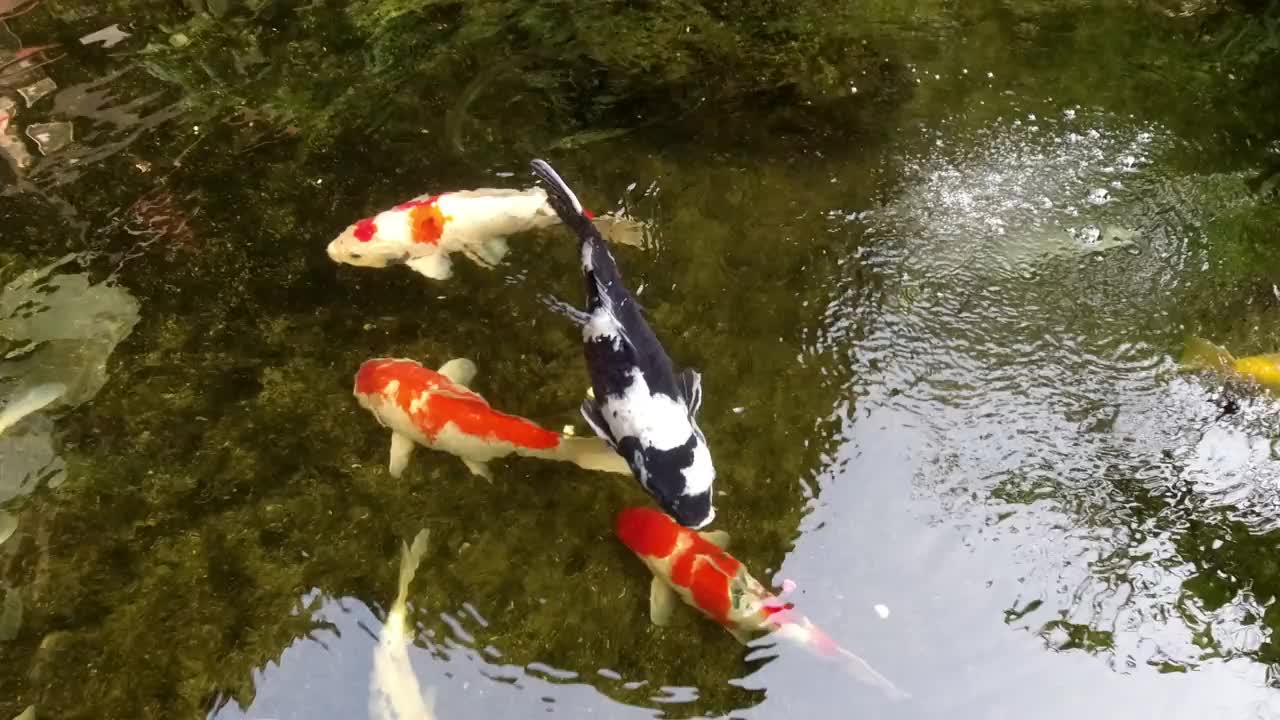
(423, 232)
(695, 567)
(436, 409)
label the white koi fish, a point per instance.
(423, 232)
(393, 687)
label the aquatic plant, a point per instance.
(576, 70)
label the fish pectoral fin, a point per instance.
(591, 413)
(401, 449)
(1200, 353)
(719, 538)
(493, 250)
(662, 602)
(436, 266)
(459, 370)
(691, 386)
(479, 468)
(476, 255)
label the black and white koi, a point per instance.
(640, 405)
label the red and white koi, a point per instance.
(436, 409)
(695, 567)
(423, 232)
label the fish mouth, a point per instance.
(347, 250)
(710, 518)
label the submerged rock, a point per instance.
(60, 329)
(64, 327)
(51, 137)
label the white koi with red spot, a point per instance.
(423, 232)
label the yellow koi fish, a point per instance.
(1263, 369)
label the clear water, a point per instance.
(935, 263)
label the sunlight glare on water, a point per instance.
(1011, 384)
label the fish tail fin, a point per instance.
(410, 558)
(862, 671)
(591, 453)
(1200, 353)
(564, 202)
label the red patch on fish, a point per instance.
(711, 589)
(447, 402)
(366, 229)
(427, 222)
(590, 215)
(771, 609)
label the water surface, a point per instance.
(935, 264)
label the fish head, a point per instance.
(384, 383)
(693, 506)
(392, 236)
(365, 244)
(679, 479)
(694, 511)
(647, 532)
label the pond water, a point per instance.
(936, 264)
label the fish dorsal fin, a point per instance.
(662, 602)
(691, 387)
(591, 413)
(533, 192)
(459, 370)
(401, 449)
(719, 538)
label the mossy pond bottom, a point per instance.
(936, 264)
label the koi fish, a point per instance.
(694, 567)
(394, 693)
(638, 404)
(423, 232)
(1265, 368)
(436, 409)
